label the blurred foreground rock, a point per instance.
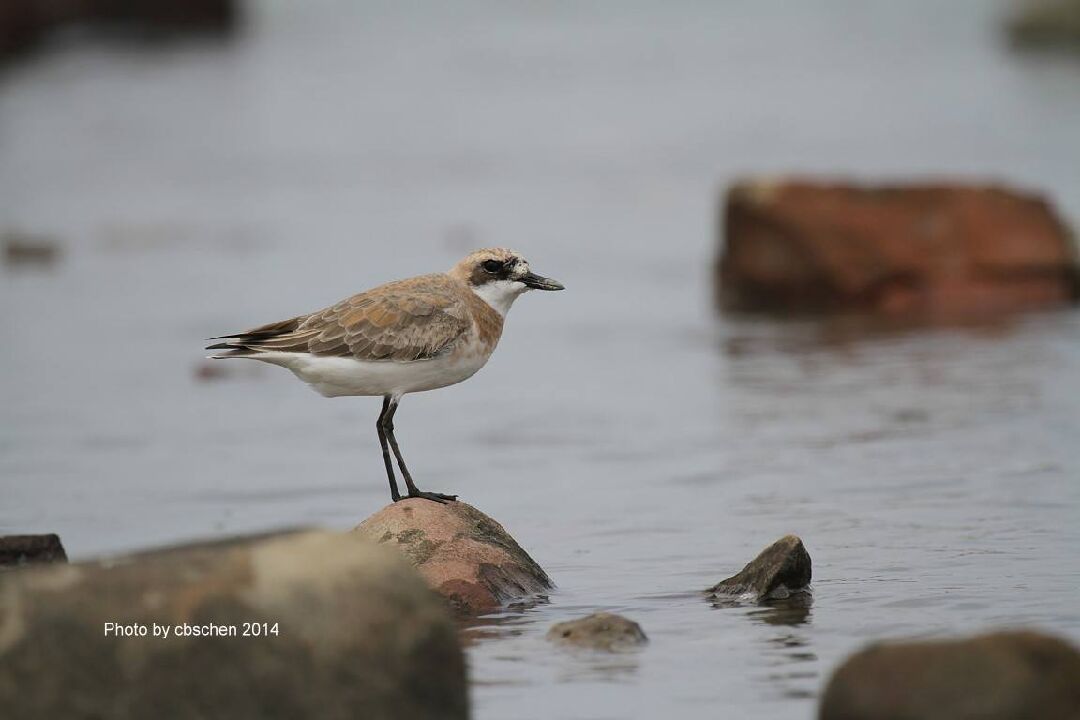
(1046, 23)
(599, 631)
(467, 557)
(25, 23)
(358, 635)
(1002, 676)
(779, 570)
(16, 550)
(938, 250)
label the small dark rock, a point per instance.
(1001, 676)
(779, 570)
(26, 249)
(599, 631)
(27, 549)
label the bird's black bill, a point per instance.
(540, 282)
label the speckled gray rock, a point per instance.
(1001, 676)
(779, 570)
(17, 550)
(359, 635)
(599, 631)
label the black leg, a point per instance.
(386, 450)
(388, 428)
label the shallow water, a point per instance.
(640, 446)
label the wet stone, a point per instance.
(1000, 676)
(599, 631)
(777, 572)
(463, 554)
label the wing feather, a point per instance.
(405, 320)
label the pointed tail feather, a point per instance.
(230, 350)
(244, 344)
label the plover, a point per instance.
(406, 336)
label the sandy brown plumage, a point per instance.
(414, 319)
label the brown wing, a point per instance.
(409, 319)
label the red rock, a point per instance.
(463, 554)
(930, 249)
(1001, 676)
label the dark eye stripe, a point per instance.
(492, 266)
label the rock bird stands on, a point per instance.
(406, 336)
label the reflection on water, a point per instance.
(635, 442)
(792, 610)
(508, 622)
(590, 666)
(499, 625)
(794, 671)
(844, 334)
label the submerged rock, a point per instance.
(1001, 676)
(599, 631)
(779, 570)
(467, 557)
(917, 250)
(28, 549)
(307, 624)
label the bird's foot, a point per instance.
(434, 496)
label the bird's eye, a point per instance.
(492, 266)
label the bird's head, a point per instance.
(499, 276)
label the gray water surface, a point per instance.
(640, 446)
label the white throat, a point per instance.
(500, 294)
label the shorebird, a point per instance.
(406, 336)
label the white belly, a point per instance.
(338, 376)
